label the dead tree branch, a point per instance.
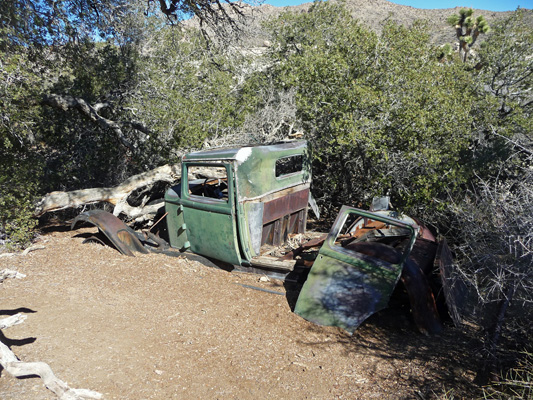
(12, 321)
(118, 195)
(115, 195)
(19, 369)
(64, 102)
(9, 273)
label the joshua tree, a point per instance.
(467, 29)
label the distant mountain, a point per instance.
(372, 13)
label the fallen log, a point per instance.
(55, 201)
(118, 195)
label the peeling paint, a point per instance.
(243, 154)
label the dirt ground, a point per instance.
(159, 327)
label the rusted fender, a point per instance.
(414, 277)
(421, 297)
(454, 287)
(122, 236)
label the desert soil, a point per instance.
(159, 327)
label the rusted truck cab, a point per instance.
(248, 198)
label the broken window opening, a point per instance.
(211, 182)
(289, 165)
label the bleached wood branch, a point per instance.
(12, 321)
(9, 273)
(19, 369)
(60, 200)
(24, 253)
(118, 195)
(32, 248)
(7, 255)
(139, 214)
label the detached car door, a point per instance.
(357, 268)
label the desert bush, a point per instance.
(382, 114)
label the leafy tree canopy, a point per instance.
(381, 108)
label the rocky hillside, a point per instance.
(373, 13)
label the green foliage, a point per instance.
(186, 94)
(18, 189)
(467, 29)
(507, 65)
(383, 115)
(19, 172)
(43, 149)
(42, 23)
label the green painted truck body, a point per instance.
(265, 197)
(242, 206)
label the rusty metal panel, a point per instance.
(302, 221)
(277, 239)
(285, 205)
(455, 289)
(122, 236)
(276, 232)
(423, 306)
(268, 234)
(423, 253)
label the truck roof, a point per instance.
(262, 169)
(241, 153)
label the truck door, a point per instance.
(209, 210)
(356, 269)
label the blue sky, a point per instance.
(492, 5)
